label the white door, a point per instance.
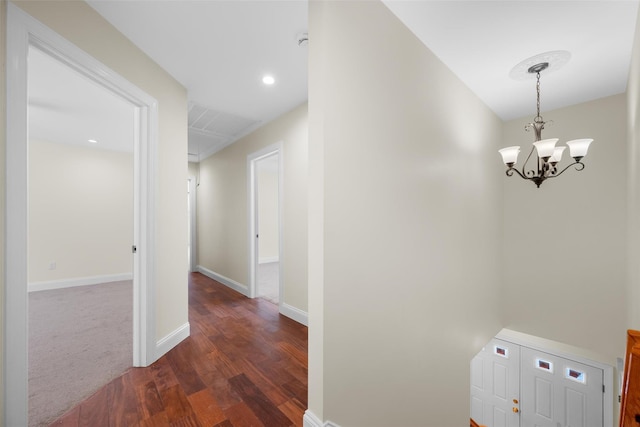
(495, 384)
(558, 392)
(513, 385)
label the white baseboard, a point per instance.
(78, 281)
(173, 339)
(236, 286)
(268, 259)
(294, 313)
(311, 420)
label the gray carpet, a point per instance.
(79, 339)
(268, 285)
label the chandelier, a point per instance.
(547, 154)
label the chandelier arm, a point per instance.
(579, 166)
(524, 165)
(510, 172)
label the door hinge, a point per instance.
(134, 249)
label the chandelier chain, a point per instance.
(538, 97)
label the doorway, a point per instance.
(80, 202)
(23, 33)
(191, 228)
(515, 384)
(265, 180)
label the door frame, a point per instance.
(193, 189)
(24, 31)
(252, 193)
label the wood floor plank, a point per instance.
(207, 325)
(180, 362)
(297, 390)
(176, 404)
(201, 341)
(294, 410)
(240, 415)
(147, 396)
(223, 363)
(95, 410)
(225, 395)
(298, 353)
(259, 404)
(206, 408)
(186, 421)
(256, 376)
(244, 365)
(163, 375)
(124, 403)
(158, 420)
(149, 400)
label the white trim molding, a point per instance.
(164, 345)
(230, 283)
(265, 260)
(77, 281)
(294, 313)
(252, 214)
(311, 420)
(25, 32)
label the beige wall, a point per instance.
(633, 154)
(223, 213)
(565, 242)
(194, 169)
(268, 248)
(80, 211)
(315, 226)
(411, 224)
(80, 24)
(3, 111)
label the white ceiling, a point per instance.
(219, 50)
(67, 108)
(481, 41)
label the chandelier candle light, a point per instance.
(546, 151)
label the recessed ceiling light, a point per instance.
(93, 141)
(268, 80)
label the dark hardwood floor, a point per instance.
(243, 365)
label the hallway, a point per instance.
(243, 365)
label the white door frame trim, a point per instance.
(193, 218)
(252, 159)
(24, 31)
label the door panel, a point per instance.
(495, 384)
(500, 417)
(543, 402)
(558, 392)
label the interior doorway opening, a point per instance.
(191, 228)
(80, 266)
(24, 32)
(265, 180)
